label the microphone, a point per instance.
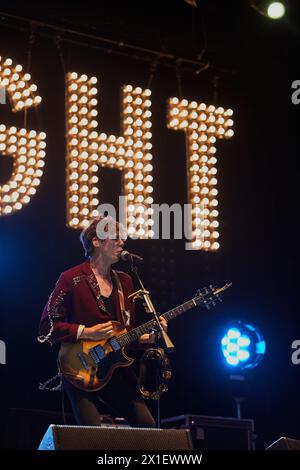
(126, 256)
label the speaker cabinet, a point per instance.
(114, 438)
(284, 443)
(215, 432)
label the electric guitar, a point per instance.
(89, 365)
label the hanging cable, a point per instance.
(179, 80)
(216, 81)
(153, 68)
(60, 54)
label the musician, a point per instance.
(85, 301)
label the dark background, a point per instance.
(254, 61)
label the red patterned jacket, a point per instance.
(76, 300)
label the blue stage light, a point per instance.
(243, 346)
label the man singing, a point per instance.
(82, 306)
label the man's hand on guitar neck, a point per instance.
(150, 338)
(98, 332)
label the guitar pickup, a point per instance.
(97, 354)
(83, 361)
(115, 344)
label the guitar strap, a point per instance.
(124, 314)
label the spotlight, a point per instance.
(273, 10)
(276, 10)
(243, 346)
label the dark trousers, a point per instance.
(121, 394)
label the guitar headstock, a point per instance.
(209, 296)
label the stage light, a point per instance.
(276, 10)
(272, 10)
(243, 346)
(194, 119)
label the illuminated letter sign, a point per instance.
(27, 147)
(87, 150)
(203, 125)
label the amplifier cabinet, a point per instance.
(215, 432)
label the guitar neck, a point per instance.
(133, 335)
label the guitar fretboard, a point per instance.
(134, 334)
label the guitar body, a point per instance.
(89, 365)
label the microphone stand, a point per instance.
(159, 332)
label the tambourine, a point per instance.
(155, 373)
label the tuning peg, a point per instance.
(218, 297)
